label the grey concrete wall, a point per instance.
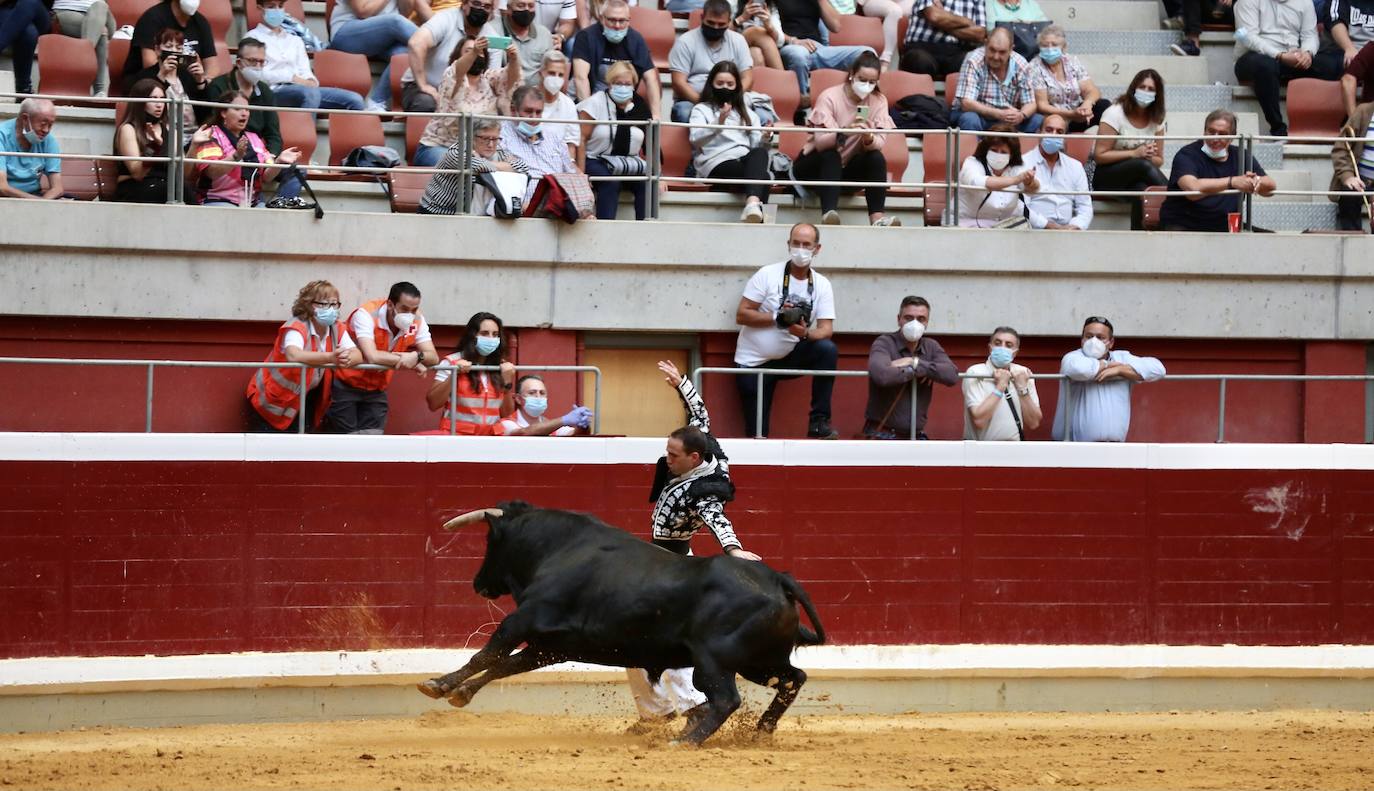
(112, 260)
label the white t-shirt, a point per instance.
(517, 421)
(1128, 136)
(758, 345)
(564, 108)
(447, 31)
(286, 57)
(1001, 426)
(365, 325)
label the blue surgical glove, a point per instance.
(580, 417)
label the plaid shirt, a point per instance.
(548, 154)
(921, 31)
(976, 82)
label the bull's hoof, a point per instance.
(460, 698)
(431, 689)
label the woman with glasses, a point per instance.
(309, 337)
(445, 190)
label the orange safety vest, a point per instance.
(384, 341)
(275, 392)
(478, 412)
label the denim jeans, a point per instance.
(973, 122)
(21, 23)
(801, 62)
(380, 36)
(427, 156)
(682, 111)
(295, 95)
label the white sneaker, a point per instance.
(753, 212)
(374, 106)
(831, 217)
(887, 222)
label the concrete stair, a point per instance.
(1074, 15)
(1118, 69)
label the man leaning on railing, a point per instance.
(894, 360)
(1095, 402)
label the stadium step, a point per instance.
(1118, 69)
(1076, 15)
(1275, 215)
(1122, 42)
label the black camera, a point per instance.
(799, 313)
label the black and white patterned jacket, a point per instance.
(685, 504)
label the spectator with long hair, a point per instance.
(1132, 153)
(483, 397)
(218, 150)
(730, 153)
(992, 181)
(470, 85)
(142, 133)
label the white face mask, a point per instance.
(801, 256)
(998, 160)
(913, 330)
(189, 7)
(862, 88)
(1095, 348)
(553, 83)
(403, 320)
(251, 74)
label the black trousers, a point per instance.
(1099, 107)
(354, 411)
(825, 166)
(819, 355)
(934, 58)
(1267, 74)
(1195, 10)
(752, 166)
(414, 100)
(1134, 175)
(1350, 209)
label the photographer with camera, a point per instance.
(185, 18)
(174, 70)
(894, 360)
(787, 315)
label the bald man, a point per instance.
(31, 132)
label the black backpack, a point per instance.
(919, 111)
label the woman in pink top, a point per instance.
(216, 152)
(851, 152)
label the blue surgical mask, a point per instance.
(615, 36)
(273, 17)
(32, 136)
(327, 316)
(527, 129)
(486, 346)
(1051, 55)
(621, 93)
(1001, 356)
(1144, 98)
(536, 405)
(1052, 145)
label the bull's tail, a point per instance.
(797, 594)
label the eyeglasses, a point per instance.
(255, 62)
(489, 139)
(328, 304)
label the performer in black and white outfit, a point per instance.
(691, 487)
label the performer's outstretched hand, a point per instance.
(670, 373)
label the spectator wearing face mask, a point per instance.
(1130, 152)
(993, 182)
(606, 43)
(469, 86)
(30, 177)
(1214, 167)
(309, 337)
(698, 51)
(531, 403)
(894, 360)
(531, 39)
(183, 16)
(286, 65)
(540, 147)
(1071, 208)
(482, 397)
(1000, 401)
(730, 153)
(1100, 379)
(787, 318)
(1062, 84)
(553, 79)
(434, 46)
(388, 332)
(616, 150)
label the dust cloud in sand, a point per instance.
(463, 750)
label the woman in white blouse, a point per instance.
(615, 150)
(992, 180)
(1132, 159)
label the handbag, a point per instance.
(624, 165)
(1026, 36)
(507, 191)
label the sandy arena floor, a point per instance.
(461, 750)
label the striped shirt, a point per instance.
(921, 32)
(976, 82)
(446, 189)
(1367, 155)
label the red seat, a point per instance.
(677, 154)
(1079, 148)
(337, 69)
(859, 31)
(404, 190)
(66, 66)
(898, 158)
(415, 129)
(1153, 203)
(298, 130)
(220, 15)
(127, 12)
(81, 179)
(347, 132)
(399, 63)
(253, 15)
(934, 162)
(780, 84)
(951, 88)
(694, 18)
(1314, 108)
(222, 63)
(657, 29)
(822, 79)
(897, 85)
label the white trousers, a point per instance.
(674, 693)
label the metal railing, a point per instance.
(153, 365)
(1066, 383)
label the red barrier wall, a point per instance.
(133, 557)
(112, 399)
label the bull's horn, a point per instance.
(472, 516)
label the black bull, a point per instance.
(589, 592)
